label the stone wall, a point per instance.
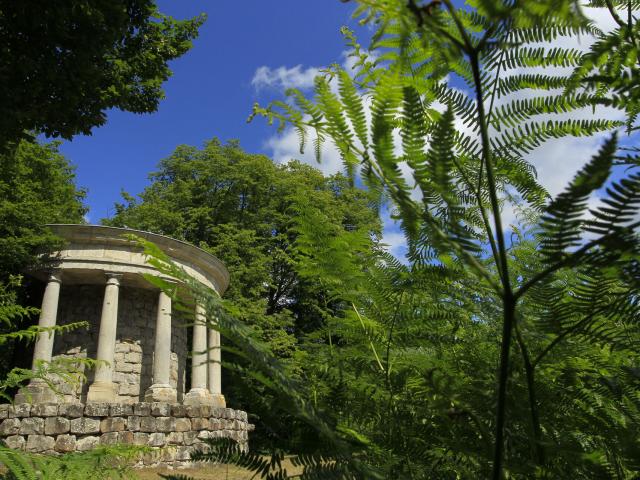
(172, 430)
(134, 339)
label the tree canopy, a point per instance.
(37, 186)
(241, 207)
(63, 64)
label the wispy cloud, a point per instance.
(282, 77)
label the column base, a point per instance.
(198, 396)
(218, 400)
(36, 392)
(161, 393)
(102, 392)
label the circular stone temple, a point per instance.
(137, 392)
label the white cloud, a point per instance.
(286, 147)
(283, 77)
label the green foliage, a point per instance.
(240, 207)
(63, 65)
(103, 463)
(259, 364)
(560, 296)
(68, 370)
(36, 187)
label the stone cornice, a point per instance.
(91, 247)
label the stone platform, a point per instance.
(173, 431)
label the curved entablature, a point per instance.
(92, 249)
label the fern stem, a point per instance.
(373, 347)
(614, 14)
(529, 369)
(508, 300)
(503, 376)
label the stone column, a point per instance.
(38, 391)
(103, 389)
(161, 390)
(199, 394)
(214, 369)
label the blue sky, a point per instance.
(211, 91)
(246, 52)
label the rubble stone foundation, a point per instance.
(173, 431)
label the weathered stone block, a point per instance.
(151, 458)
(120, 410)
(87, 443)
(32, 426)
(183, 453)
(190, 437)
(10, 426)
(160, 409)
(17, 442)
(133, 423)
(214, 424)
(44, 410)
(204, 434)
(112, 424)
(140, 438)
(142, 409)
(178, 410)
(183, 425)
(168, 454)
(56, 425)
(136, 367)
(205, 411)
(123, 348)
(120, 377)
(175, 438)
(110, 438)
(165, 424)
(193, 410)
(217, 412)
(134, 347)
(157, 440)
(130, 389)
(125, 437)
(71, 410)
(65, 443)
(85, 425)
(124, 367)
(39, 443)
(4, 411)
(200, 423)
(19, 410)
(147, 424)
(133, 357)
(96, 409)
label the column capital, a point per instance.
(54, 275)
(113, 278)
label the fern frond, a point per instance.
(561, 222)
